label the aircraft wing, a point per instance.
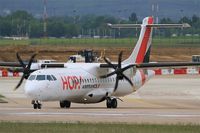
(16, 67)
(167, 65)
(10, 64)
(155, 65)
(42, 65)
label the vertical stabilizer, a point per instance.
(141, 52)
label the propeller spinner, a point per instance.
(118, 71)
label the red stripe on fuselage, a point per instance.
(143, 76)
(143, 47)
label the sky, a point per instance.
(119, 8)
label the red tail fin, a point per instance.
(143, 44)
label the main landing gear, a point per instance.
(36, 104)
(65, 104)
(111, 102)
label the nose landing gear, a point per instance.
(36, 104)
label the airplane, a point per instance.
(95, 82)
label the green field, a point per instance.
(1, 96)
(10, 127)
(1, 100)
(123, 42)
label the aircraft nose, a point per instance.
(29, 90)
(32, 91)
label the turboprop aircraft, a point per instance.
(95, 82)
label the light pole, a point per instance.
(119, 33)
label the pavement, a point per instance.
(163, 100)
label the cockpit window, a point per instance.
(32, 77)
(49, 78)
(40, 77)
(54, 78)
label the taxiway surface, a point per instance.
(164, 99)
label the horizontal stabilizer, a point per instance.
(128, 26)
(124, 25)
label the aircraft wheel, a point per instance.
(108, 102)
(62, 104)
(35, 106)
(114, 103)
(39, 106)
(65, 104)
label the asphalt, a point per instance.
(163, 100)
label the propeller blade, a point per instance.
(31, 60)
(20, 82)
(118, 71)
(109, 63)
(120, 60)
(127, 67)
(20, 60)
(128, 79)
(116, 84)
(108, 75)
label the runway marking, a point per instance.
(18, 108)
(100, 114)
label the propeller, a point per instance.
(118, 71)
(26, 69)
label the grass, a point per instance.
(1, 100)
(85, 42)
(13, 42)
(9, 127)
(1, 96)
(123, 42)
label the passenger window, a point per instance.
(49, 78)
(40, 77)
(32, 77)
(54, 78)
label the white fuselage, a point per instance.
(80, 83)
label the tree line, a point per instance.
(22, 23)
